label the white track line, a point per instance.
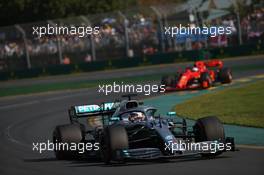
(10, 138)
(19, 104)
(251, 146)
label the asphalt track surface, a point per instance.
(28, 119)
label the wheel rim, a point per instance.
(230, 77)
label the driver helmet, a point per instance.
(136, 116)
(195, 69)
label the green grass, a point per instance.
(18, 90)
(239, 106)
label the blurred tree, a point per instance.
(22, 11)
(240, 7)
(158, 2)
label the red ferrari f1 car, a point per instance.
(202, 75)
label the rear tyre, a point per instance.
(225, 75)
(70, 133)
(209, 129)
(113, 141)
(205, 80)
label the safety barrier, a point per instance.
(158, 58)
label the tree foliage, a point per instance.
(23, 11)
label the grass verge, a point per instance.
(239, 106)
(7, 91)
(38, 88)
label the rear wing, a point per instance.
(108, 108)
(214, 63)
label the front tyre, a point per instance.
(66, 134)
(209, 129)
(113, 140)
(168, 81)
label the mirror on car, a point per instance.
(171, 113)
